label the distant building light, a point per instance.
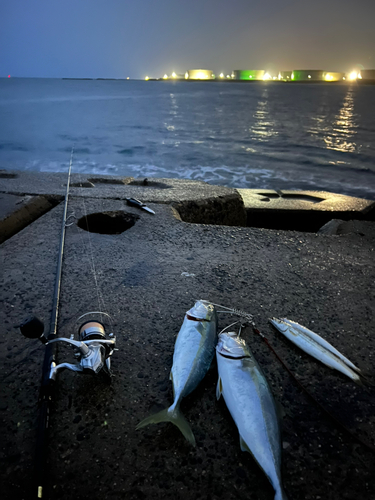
(267, 76)
(308, 76)
(353, 75)
(359, 76)
(250, 76)
(288, 76)
(274, 78)
(186, 75)
(165, 77)
(127, 78)
(343, 78)
(228, 76)
(147, 78)
(328, 77)
(174, 75)
(292, 76)
(221, 75)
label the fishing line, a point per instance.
(90, 256)
(226, 328)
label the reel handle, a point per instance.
(33, 328)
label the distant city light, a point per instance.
(221, 75)
(359, 76)
(267, 76)
(308, 76)
(147, 78)
(228, 76)
(165, 77)
(127, 78)
(174, 75)
(8, 76)
(353, 75)
(328, 77)
(186, 75)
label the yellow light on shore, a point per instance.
(147, 78)
(186, 75)
(328, 77)
(221, 75)
(267, 76)
(359, 76)
(165, 77)
(174, 75)
(353, 75)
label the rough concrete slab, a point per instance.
(148, 277)
(301, 210)
(196, 201)
(155, 190)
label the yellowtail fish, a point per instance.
(317, 347)
(251, 404)
(192, 357)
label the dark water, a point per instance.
(257, 135)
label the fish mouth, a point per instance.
(193, 318)
(229, 354)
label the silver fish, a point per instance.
(251, 404)
(193, 354)
(317, 347)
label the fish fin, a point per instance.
(280, 410)
(173, 416)
(219, 388)
(243, 445)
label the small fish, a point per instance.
(317, 347)
(192, 357)
(251, 404)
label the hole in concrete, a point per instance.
(290, 196)
(7, 175)
(107, 222)
(107, 180)
(150, 184)
(83, 184)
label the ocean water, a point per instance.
(247, 135)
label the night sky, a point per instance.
(135, 38)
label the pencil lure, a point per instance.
(317, 347)
(193, 354)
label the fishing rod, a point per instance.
(94, 351)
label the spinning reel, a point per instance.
(94, 348)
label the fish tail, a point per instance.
(175, 417)
(280, 494)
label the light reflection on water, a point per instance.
(344, 128)
(339, 134)
(264, 127)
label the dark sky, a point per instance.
(135, 38)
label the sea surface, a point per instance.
(261, 135)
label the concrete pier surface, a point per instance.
(199, 244)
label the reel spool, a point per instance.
(91, 330)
